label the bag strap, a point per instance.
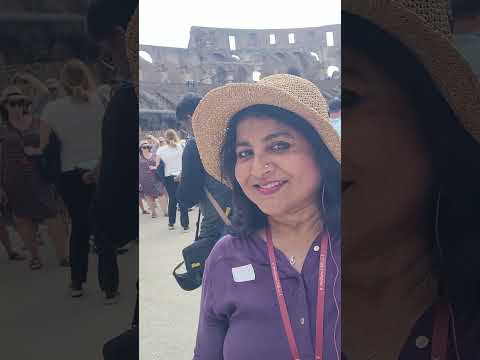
(219, 210)
(198, 224)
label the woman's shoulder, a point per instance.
(229, 247)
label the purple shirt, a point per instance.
(241, 320)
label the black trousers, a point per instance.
(171, 187)
(78, 198)
(108, 275)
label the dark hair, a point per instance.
(187, 106)
(455, 158)
(104, 15)
(247, 217)
(335, 105)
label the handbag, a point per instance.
(195, 254)
(160, 171)
(50, 161)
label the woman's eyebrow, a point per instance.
(277, 135)
(242, 143)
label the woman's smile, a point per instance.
(270, 188)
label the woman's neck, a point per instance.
(302, 225)
(389, 271)
(388, 290)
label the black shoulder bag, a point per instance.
(195, 254)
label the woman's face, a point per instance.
(146, 150)
(15, 109)
(386, 167)
(275, 167)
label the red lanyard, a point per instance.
(287, 325)
(441, 327)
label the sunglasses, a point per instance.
(146, 147)
(16, 103)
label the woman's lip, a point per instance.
(273, 188)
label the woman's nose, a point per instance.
(261, 166)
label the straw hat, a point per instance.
(289, 92)
(423, 26)
(132, 48)
(13, 93)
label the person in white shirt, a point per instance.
(77, 121)
(171, 155)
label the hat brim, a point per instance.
(213, 114)
(447, 67)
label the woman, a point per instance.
(171, 155)
(77, 119)
(150, 187)
(282, 160)
(30, 197)
(163, 197)
(410, 176)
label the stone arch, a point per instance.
(331, 70)
(241, 74)
(146, 56)
(220, 74)
(218, 57)
(301, 59)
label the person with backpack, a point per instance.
(117, 181)
(195, 180)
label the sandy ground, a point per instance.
(168, 314)
(39, 319)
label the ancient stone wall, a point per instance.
(217, 56)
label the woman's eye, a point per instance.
(244, 154)
(349, 98)
(280, 146)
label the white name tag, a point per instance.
(243, 273)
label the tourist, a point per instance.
(411, 175)
(77, 119)
(150, 186)
(195, 180)
(171, 155)
(117, 185)
(31, 198)
(35, 89)
(162, 199)
(281, 157)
